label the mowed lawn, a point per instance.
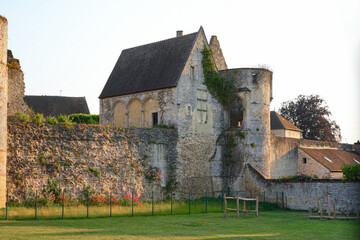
(269, 225)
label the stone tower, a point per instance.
(3, 108)
(249, 111)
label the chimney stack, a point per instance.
(357, 147)
(179, 33)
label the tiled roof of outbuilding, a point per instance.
(56, 105)
(332, 159)
(279, 122)
(149, 67)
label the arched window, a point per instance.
(236, 112)
(119, 115)
(151, 116)
(135, 114)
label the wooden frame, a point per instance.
(238, 210)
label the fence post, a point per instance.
(277, 204)
(152, 203)
(206, 199)
(7, 203)
(88, 203)
(189, 202)
(132, 203)
(110, 204)
(282, 200)
(36, 205)
(222, 202)
(264, 200)
(251, 202)
(171, 199)
(63, 205)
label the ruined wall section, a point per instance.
(218, 54)
(16, 87)
(104, 157)
(3, 108)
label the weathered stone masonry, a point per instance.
(73, 155)
(3, 108)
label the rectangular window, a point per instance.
(192, 72)
(155, 118)
(201, 105)
(304, 160)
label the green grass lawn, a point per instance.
(269, 225)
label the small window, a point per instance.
(155, 118)
(192, 72)
(328, 159)
(254, 78)
(202, 106)
(356, 161)
(304, 160)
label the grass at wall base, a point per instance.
(276, 224)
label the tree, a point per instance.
(311, 114)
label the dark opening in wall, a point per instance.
(304, 160)
(236, 112)
(155, 118)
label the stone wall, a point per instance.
(3, 108)
(75, 155)
(16, 87)
(305, 195)
(218, 54)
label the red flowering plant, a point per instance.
(154, 174)
(127, 200)
(97, 200)
(298, 177)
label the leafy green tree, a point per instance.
(312, 115)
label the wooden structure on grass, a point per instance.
(238, 210)
(331, 215)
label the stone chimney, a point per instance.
(179, 33)
(357, 147)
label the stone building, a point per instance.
(162, 83)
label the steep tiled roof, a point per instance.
(149, 67)
(279, 122)
(56, 105)
(332, 159)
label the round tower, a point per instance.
(3, 108)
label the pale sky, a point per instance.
(313, 47)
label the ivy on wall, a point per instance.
(218, 86)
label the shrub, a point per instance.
(23, 117)
(231, 143)
(96, 171)
(52, 120)
(38, 118)
(84, 118)
(127, 200)
(241, 134)
(153, 174)
(64, 119)
(253, 145)
(298, 177)
(351, 171)
(53, 189)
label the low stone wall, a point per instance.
(305, 195)
(106, 158)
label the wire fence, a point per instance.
(62, 205)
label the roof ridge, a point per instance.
(186, 35)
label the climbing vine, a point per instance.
(219, 87)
